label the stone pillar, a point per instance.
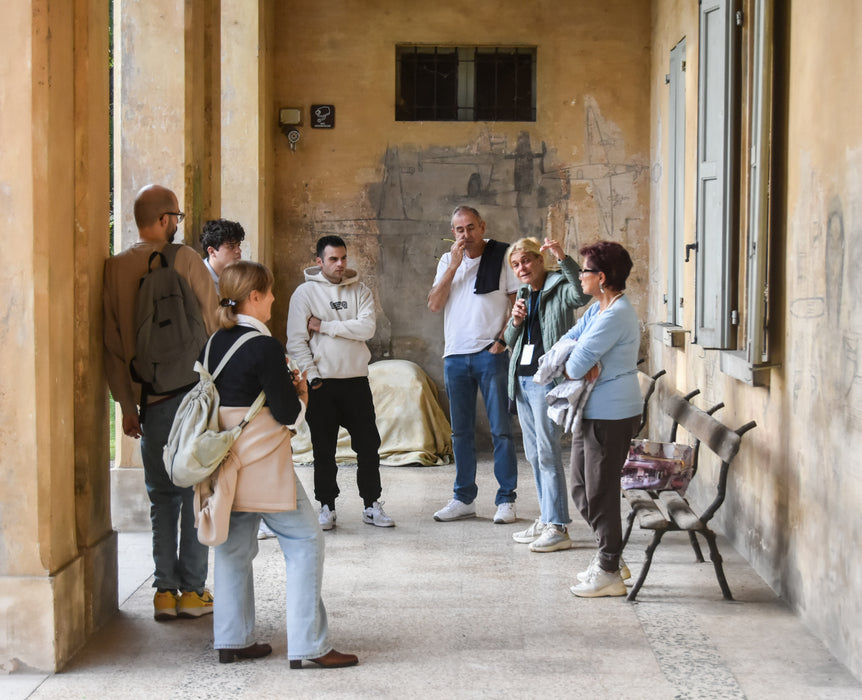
(96, 538)
(247, 122)
(151, 82)
(150, 99)
(57, 551)
(203, 71)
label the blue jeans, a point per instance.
(301, 542)
(488, 373)
(186, 570)
(542, 447)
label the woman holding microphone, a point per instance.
(542, 313)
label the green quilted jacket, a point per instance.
(561, 295)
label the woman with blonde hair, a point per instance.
(542, 313)
(257, 481)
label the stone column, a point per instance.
(247, 122)
(57, 551)
(202, 133)
(97, 539)
(150, 114)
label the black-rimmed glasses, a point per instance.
(179, 214)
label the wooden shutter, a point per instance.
(715, 174)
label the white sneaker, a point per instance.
(625, 574)
(455, 510)
(326, 518)
(505, 513)
(264, 532)
(374, 515)
(530, 534)
(553, 538)
(600, 583)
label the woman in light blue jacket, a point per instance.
(608, 333)
(541, 314)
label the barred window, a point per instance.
(476, 83)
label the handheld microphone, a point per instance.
(523, 292)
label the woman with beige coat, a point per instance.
(257, 481)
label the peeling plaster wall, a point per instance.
(578, 173)
(794, 493)
(824, 321)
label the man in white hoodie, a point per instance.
(331, 316)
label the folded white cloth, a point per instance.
(553, 362)
(566, 402)
(567, 399)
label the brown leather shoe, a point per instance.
(334, 659)
(255, 651)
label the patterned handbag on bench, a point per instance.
(658, 466)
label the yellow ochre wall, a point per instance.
(578, 173)
(795, 488)
(591, 166)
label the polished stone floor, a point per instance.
(457, 610)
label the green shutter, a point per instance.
(716, 210)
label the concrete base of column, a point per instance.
(130, 506)
(101, 585)
(44, 617)
(47, 619)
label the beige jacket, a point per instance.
(256, 477)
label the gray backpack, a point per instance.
(196, 445)
(169, 328)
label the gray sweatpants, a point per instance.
(599, 450)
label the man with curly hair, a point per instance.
(221, 240)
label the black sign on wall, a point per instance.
(322, 116)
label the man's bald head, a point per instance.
(151, 202)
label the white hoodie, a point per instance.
(347, 320)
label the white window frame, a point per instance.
(751, 364)
(676, 185)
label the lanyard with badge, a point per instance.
(529, 347)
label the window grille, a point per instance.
(446, 83)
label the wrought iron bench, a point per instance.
(668, 511)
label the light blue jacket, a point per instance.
(612, 338)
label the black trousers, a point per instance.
(347, 403)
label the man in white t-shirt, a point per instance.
(474, 288)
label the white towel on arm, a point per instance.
(567, 399)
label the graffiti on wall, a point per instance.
(493, 175)
(841, 321)
(520, 186)
(518, 178)
(609, 175)
(820, 305)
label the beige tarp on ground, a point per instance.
(413, 428)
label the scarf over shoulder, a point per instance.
(488, 274)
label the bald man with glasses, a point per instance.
(180, 560)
